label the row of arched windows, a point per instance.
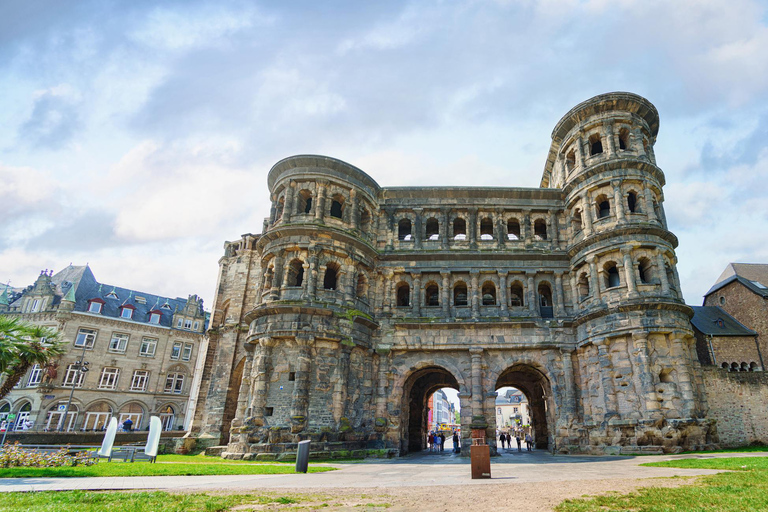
(602, 208)
(459, 229)
(743, 367)
(612, 277)
(595, 144)
(304, 205)
(488, 295)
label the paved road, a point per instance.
(415, 470)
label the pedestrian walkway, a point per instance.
(411, 471)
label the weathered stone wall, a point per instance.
(745, 306)
(737, 400)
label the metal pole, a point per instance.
(79, 365)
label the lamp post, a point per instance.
(80, 366)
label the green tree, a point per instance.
(23, 345)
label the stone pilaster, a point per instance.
(474, 293)
(416, 294)
(646, 380)
(531, 293)
(320, 202)
(618, 201)
(445, 290)
(594, 278)
(261, 369)
(503, 299)
(300, 396)
(340, 392)
(606, 378)
(629, 272)
(662, 268)
(560, 302)
(478, 416)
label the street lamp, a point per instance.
(80, 366)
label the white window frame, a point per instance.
(109, 377)
(196, 326)
(35, 376)
(174, 383)
(154, 318)
(186, 352)
(129, 316)
(148, 342)
(176, 350)
(120, 337)
(72, 375)
(139, 380)
(35, 305)
(87, 335)
(179, 323)
(91, 306)
(188, 324)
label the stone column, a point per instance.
(580, 152)
(649, 210)
(606, 377)
(531, 293)
(500, 236)
(445, 290)
(586, 213)
(444, 228)
(312, 275)
(417, 230)
(354, 209)
(305, 283)
(618, 200)
(300, 397)
(261, 369)
(570, 386)
(646, 380)
(682, 355)
(574, 291)
(290, 197)
(387, 300)
(503, 300)
(594, 278)
(416, 294)
(349, 284)
(661, 265)
(273, 210)
(526, 227)
(381, 395)
(560, 304)
(390, 228)
(277, 278)
(611, 136)
(629, 272)
(477, 385)
(472, 227)
(474, 293)
(242, 397)
(320, 202)
(340, 387)
(554, 228)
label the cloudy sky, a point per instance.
(136, 136)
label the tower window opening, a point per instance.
(331, 273)
(489, 294)
(576, 221)
(296, 273)
(583, 286)
(459, 229)
(403, 295)
(545, 301)
(432, 229)
(362, 287)
(644, 270)
(513, 229)
(632, 202)
(612, 275)
(623, 139)
(570, 161)
(337, 207)
(433, 295)
(365, 220)
(279, 210)
(404, 230)
(603, 207)
(305, 201)
(460, 295)
(486, 229)
(516, 295)
(595, 145)
(540, 229)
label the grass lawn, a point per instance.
(167, 465)
(82, 501)
(746, 488)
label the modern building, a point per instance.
(512, 411)
(440, 410)
(141, 351)
(356, 302)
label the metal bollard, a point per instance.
(302, 457)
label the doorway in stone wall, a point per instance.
(524, 383)
(418, 389)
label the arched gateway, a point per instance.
(357, 301)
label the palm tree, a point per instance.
(23, 345)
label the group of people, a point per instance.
(436, 442)
(506, 441)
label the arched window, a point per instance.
(486, 229)
(432, 229)
(295, 273)
(279, 209)
(632, 202)
(576, 221)
(362, 286)
(583, 285)
(305, 202)
(489, 294)
(337, 206)
(460, 294)
(623, 139)
(644, 270)
(603, 206)
(725, 366)
(433, 294)
(365, 220)
(545, 301)
(734, 367)
(670, 276)
(404, 230)
(331, 273)
(595, 144)
(513, 229)
(459, 229)
(570, 161)
(516, 296)
(611, 275)
(540, 229)
(403, 295)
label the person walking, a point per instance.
(456, 446)
(509, 441)
(430, 441)
(503, 439)
(442, 442)
(528, 441)
(519, 442)
(437, 443)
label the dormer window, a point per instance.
(112, 295)
(126, 311)
(154, 317)
(94, 306)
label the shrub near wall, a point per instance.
(13, 455)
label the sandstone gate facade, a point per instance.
(357, 302)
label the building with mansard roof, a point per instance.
(142, 352)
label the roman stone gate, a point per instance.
(356, 302)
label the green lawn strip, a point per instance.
(745, 488)
(146, 469)
(83, 501)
